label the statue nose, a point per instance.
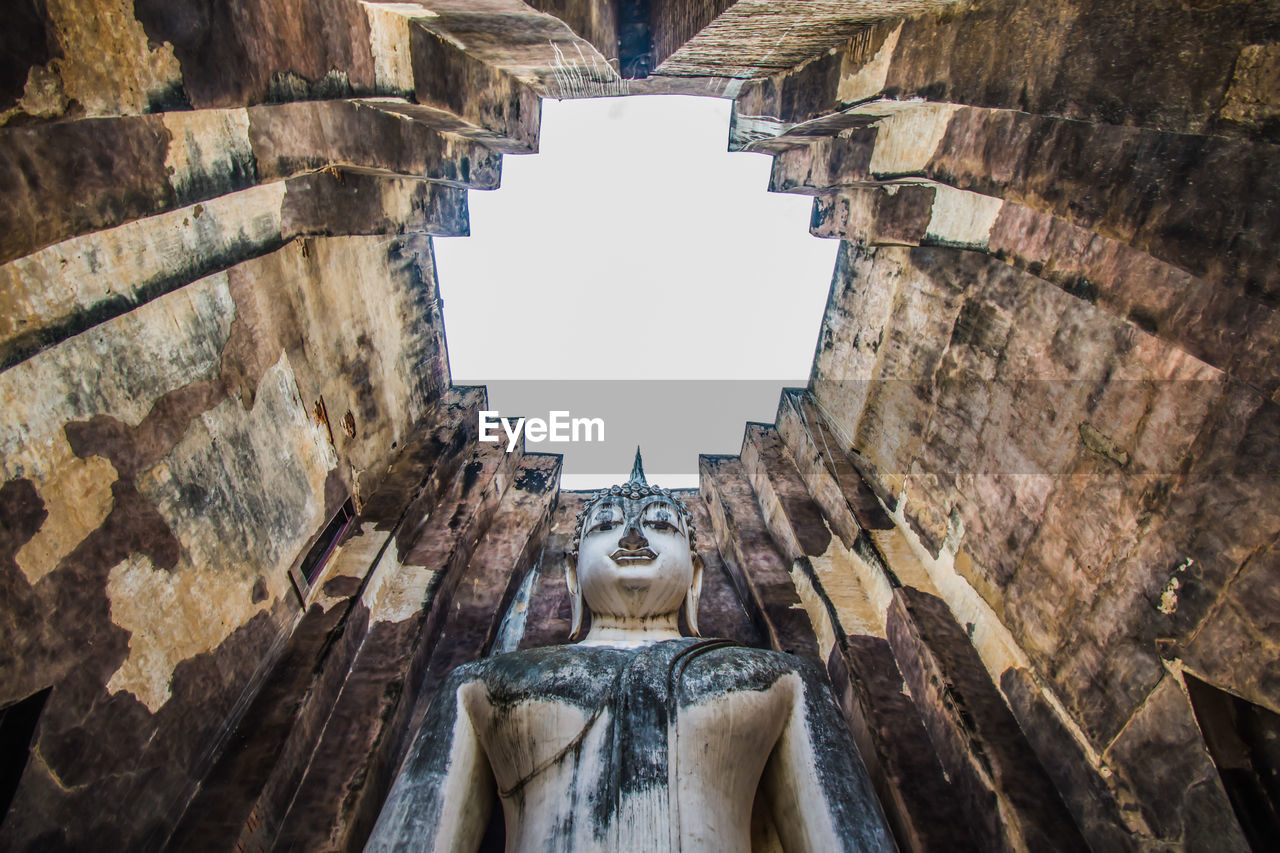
(633, 539)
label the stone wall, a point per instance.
(1028, 357)
(163, 472)
(1049, 351)
(220, 322)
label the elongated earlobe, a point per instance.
(575, 595)
(691, 597)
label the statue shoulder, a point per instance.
(571, 673)
(733, 667)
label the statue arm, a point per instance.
(820, 792)
(443, 795)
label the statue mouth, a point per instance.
(625, 557)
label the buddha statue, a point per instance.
(635, 738)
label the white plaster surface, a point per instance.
(962, 218)
(389, 42)
(175, 614)
(172, 616)
(205, 143)
(85, 270)
(868, 79)
(909, 134)
(78, 499)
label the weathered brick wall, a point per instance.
(1049, 349)
(163, 471)
(220, 320)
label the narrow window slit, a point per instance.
(318, 556)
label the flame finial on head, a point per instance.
(635, 488)
(637, 470)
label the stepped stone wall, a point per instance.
(1025, 512)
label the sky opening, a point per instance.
(636, 272)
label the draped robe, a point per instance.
(675, 746)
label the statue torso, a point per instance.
(686, 744)
(656, 748)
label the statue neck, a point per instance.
(628, 632)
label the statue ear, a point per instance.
(692, 596)
(575, 594)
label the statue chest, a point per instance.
(621, 763)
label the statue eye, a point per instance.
(660, 524)
(605, 524)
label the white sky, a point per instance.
(634, 246)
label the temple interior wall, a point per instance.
(1025, 512)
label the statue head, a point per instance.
(633, 555)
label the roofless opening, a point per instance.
(635, 270)
(17, 727)
(1244, 741)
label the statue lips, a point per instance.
(624, 557)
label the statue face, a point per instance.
(634, 558)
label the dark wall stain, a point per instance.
(237, 788)
(288, 139)
(720, 610)
(1146, 185)
(134, 449)
(110, 748)
(259, 331)
(533, 479)
(1110, 62)
(979, 326)
(22, 511)
(807, 522)
(870, 688)
(102, 750)
(133, 526)
(416, 466)
(1092, 804)
(980, 744)
(263, 326)
(470, 474)
(121, 753)
(758, 570)
(802, 514)
(27, 41)
(356, 369)
(234, 53)
(904, 216)
(342, 587)
(184, 25)
(17, 725)
(68, 178)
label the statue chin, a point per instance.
(620, 742)
(635, 595)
